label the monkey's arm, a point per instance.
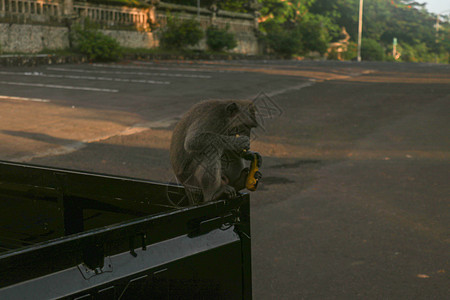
(208, 141)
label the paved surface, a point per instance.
(354, 199)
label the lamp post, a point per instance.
(360, 28)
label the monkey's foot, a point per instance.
(225, 191)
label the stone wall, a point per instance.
(133, 39)
(25, 38)
(30, 26)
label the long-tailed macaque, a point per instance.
(209, 148)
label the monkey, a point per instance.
(209, 147)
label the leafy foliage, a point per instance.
(292, 30)
(310, 25)
(219, 39)
(282, 39)
(371, 50)
(285, 11)
(179, 34)
(407, 20)
(418, 53)
(351, 52)
(317, 32)
(95, 44)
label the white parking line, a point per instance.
(164, 68)
(291, 88)
(77, 145)
(54, 86)
(24, 99)
(83, 77)
(131, 73)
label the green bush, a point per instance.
(333, 55)
(95, 45)
(316, 32)
(283, 40)
(371, 50)
(219, 39)
(180, 34)
(417, 53)
(352, 51)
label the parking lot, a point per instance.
(354, 197)
(91, 102)
(132, 96)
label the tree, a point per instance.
(317, 32)
(284, 11)
(371, 50)
(407, 20)
(282, 38)
(305, 31)
(179, 34)
(309, 25)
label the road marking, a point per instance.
(83, 77)
(24, 99)
(61, 150)
(292, 88)
(313, 81)
(54, 86)
(131, 73)
(165, 69)
(78, 145)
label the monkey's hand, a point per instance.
(249, 155)
(238, 144)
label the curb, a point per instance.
(40, 59)
(196, 56)
(29, 60)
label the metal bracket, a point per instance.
(87, 272)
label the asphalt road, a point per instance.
(354, 202)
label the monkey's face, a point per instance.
(242, 118)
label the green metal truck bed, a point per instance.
(78, 235)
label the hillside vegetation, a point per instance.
(299, 27)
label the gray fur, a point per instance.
(206, 154)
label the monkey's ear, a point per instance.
(232, 109)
